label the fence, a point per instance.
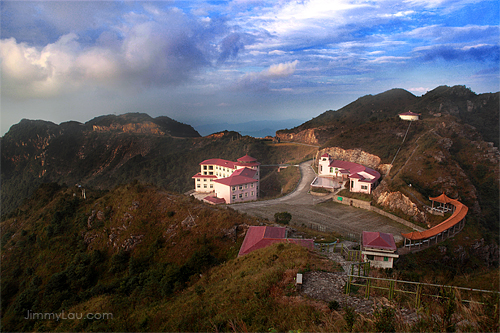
(416, 290)
(348, 254)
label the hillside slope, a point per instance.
(453, 149)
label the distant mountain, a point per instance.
(480, 111)
(110, 150)
(256, 128)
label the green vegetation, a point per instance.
(282, 217)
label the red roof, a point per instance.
(219, 162)
(259, 237)
(354, 169)
(246, 172)
(246, 158)
(379, 240)
(325, 155)
(214, 200)
(235, 180)
(409, 113)
(199, 175)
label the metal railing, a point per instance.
(417, 290)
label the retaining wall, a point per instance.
(368, 206)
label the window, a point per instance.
(331, 170)
(321, 168)
(251, 185)
(211, 167)
(364, 187)
(246, 194)
(246, 185)
(241, 187)
(234, 197)
(211, 185)
(234, 188)
(253, 193)
(204, 167)
(241, 195)
(386, 259)
(197, 179)
(205, 186)
(370, 257)
(204, 172)
(352, 183)
(211, 173)
(205, 180)
(198, 186)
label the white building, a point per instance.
(379, 249)
(409, 116)
(361, 179)
(229, 181)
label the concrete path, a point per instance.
(307, 211)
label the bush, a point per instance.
(283, 217)
(333, 305)
(385, 319)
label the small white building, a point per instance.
(361, 179)
(379, 249)
(410, 116)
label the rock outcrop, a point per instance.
(397, 201)
(356, 156)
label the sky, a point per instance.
(203, 62)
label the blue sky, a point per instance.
(204, 62)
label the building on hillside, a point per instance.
(379, 249)
(361, 179)
(411, 116)
(231, 182)
(259, 237)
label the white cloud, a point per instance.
(260, 80)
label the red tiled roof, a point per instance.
(354, 169)
(219, 162)
(235, 180)
(325, 155)
(214, 200)
(259, 237)
(379, 240)
(457, 216)
(199, 175)
(246, 158)
(409, 113)
(246, 172)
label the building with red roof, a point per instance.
(411, 116)
(231, 181)
(259, 237)
(361, 179)
(379, 249)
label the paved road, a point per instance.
(307, 210)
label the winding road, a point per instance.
(316, 213)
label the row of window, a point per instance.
(372, 257)
(241, 195)
(242, 186)
(204, 186)
(211, 167)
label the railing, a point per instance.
(348, 254)
(417, 290)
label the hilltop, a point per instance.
(453, 149)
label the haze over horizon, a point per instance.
(206, 62)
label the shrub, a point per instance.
(333, 305)
(385, 319)
(282, 217)
(350, 317)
